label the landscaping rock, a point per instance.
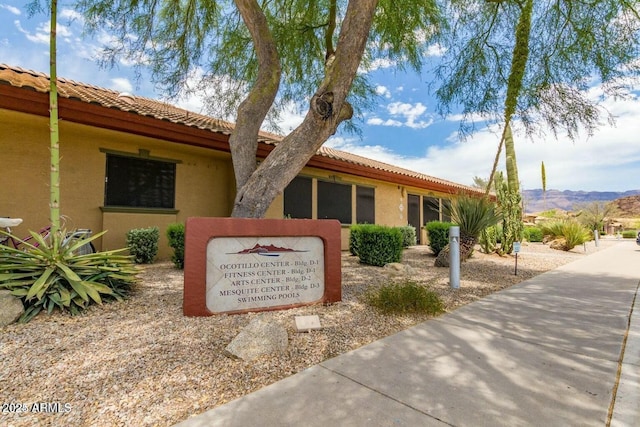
(259, 338)
(399, 268)
(559, 244)
(11, 308)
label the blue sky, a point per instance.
(403, 129)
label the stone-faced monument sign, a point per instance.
(237, 265)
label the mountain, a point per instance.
(628, 207)
(534, 201)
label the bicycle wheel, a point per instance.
(80, 234)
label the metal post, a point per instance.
(596, 237)
(454, 257)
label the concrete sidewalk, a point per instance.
(546, 352)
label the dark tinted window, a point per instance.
(365, 205)
(334, 201)
(138, 182)
(430, 209)
(297, 198)
(446, 203)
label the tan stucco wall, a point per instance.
(204, 178)
(204, 181)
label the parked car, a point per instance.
(638, 238)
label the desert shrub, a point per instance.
(438, 235)
(379, 245)
(629, 234)
(175, 235)
(143, 244)
(533, 234)
(405, 297)
(408, 235)
(54, 275)
(571, 231)
(354, 237)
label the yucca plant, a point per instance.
(472, 215)
(51, 274)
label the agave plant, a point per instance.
(472, 215)
(52, 273)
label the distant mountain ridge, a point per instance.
(534, 200)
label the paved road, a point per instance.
(555, 350)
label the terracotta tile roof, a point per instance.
(108, 98)
(375, 164)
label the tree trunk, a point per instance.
(252, 111)
(328, 108)
(467, 243)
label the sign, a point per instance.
(516, 247)
(245, 273)
(240, 265)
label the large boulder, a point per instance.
(11, 308)
(259, 338)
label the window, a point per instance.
(140, 182)
(297, 198)
(430, 209)
(446, 205)
(365, 205)
(334, 201)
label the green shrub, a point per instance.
(53, 275)
(354, 238)
(438, 235)
(408, 235)
(629, 234)
(533, 234)
(406, 297)
(143, 244)
(379, 245)
(175, 234)
(571, 231)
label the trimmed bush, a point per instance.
(354, 238)
(175, 234)
(533, 234)
(406, 297)
(408, 235)
(143, 244)
(629, 234)
(438, 235)
(378, 245)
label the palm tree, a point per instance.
(472, 215)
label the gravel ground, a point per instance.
(142, 363)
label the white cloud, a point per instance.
(11, 9)
(607, 161)
(71, 15)
(121, 84)
(383, 91)
(436, 50)
(376, 121)
(377, 64)
(42, 32)
(411, 114)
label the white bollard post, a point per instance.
(596, 237)
(454, 257)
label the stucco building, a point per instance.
(132, 162)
